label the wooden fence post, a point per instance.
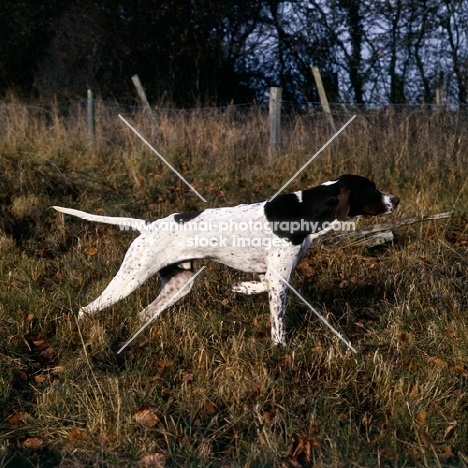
(323, 97)
(275, 120)
(143, 99)
(91, 119)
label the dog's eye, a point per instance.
(371, 194)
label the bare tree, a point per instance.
(453, 16)
(187, 51)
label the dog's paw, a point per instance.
(249, 287)
(144, 316)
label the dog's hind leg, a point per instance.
(120, 287)
(139, 264)
(175, 284)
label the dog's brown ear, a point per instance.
(342, 209)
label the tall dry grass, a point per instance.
(203, 386)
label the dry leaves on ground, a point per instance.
(33, 443)
(146, 417)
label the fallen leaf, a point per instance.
(268, 417)
(91, 251)
(311, 444)
(157, 460)
(146, 417)
(437, 363)
(209, 407)
(421, 418)
(257, 389)
(433, 406)
(78, 434)
(188, 377)
(413, 393)
(288, 362)
(306, 270)
(450, 430)
(317, 348)
(295, 448)
(446, 452)
(41, 378)
(301, 445)
(342, 417)
(451, 332)
(459, 369)
(426, 438)
(33, 443)
(34, 343)
(387, 453)
(18, 418)
(406, 337)
(104, 439)
(40, 348)
(163, 363)
(48, 355)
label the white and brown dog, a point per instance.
(269, 238)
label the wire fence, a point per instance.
(235, 127)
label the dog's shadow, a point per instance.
(349, 306)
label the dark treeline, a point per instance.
(218, 51)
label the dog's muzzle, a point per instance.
(390, 202)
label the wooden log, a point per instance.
(369, 233)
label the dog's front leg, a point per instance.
(277, 295)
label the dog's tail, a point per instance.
(125, 224)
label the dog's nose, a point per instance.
(395, 201)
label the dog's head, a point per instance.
(358, 196)
(346, 197)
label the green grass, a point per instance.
(203, 386)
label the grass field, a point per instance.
(203, 386)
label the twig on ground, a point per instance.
(381, 233)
